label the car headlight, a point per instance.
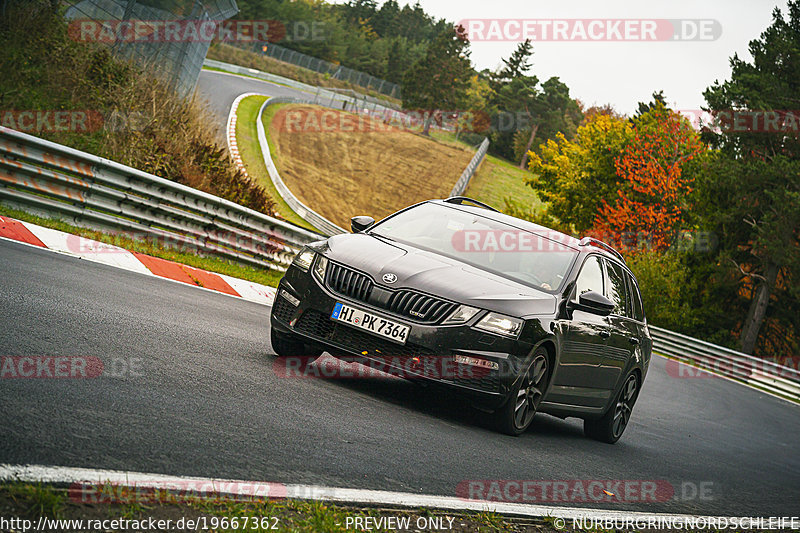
(461, 315)
(320, 267)
(303, 260)
(500, 324)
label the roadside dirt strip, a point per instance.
(59, 241)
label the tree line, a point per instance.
(708, 217)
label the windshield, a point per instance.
(536, 259)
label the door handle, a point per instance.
(605, 333)
(633, 340)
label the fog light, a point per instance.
(476, 361)
(292, 300)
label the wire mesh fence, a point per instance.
(337, 72)
(179, 56)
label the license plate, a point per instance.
(375, 324)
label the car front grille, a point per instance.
(282, 309)
(489, 382)
(402, 302)
(319, 325)
(419, 306)
(393, 356)
(348, 282)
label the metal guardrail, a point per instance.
(302, 210)
(466, 176)
(766, 375)
(57, 181)
(54, 180)
(331, 96)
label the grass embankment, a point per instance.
(497, 181)
(341, 164)
(250, 152)
(30, 501)
(212, 264)
(245, 58)
(135, 118)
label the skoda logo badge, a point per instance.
(389, 278)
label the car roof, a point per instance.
(579, 245)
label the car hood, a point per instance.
(436, 274)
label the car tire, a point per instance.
(612, 425)
(286, 345)
(526, 394)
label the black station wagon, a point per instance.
(517, 317)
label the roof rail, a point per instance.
(459, 200)
(591, 241)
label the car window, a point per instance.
(531, 258)
(616, 291)
(635, 298)
(591, 277)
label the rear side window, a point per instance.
(591, 277)
(636, 299)
(616, 291)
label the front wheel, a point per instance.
(610, 428)
(526, 395)
(285, 345)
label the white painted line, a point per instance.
(78, 246)
(249, 290)
(75, 246)
(216, 486)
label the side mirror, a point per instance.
(359, 224)
(593, 302)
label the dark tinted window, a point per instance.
(531, 258)
(636, 299)
(616, 288)
(591, 277)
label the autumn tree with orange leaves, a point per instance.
(652, 197)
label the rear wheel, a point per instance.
(526, 395)
(286, 345)
(610, 428)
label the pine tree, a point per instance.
(439, 81)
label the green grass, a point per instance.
(497, 180)
(212, 264)
(449, 138)
(220, 513)
(250, 152)
(36, 499)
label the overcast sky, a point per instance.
(622, 73)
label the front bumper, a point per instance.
(428, 354)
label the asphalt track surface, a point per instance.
(219, 90)
(189, 388)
